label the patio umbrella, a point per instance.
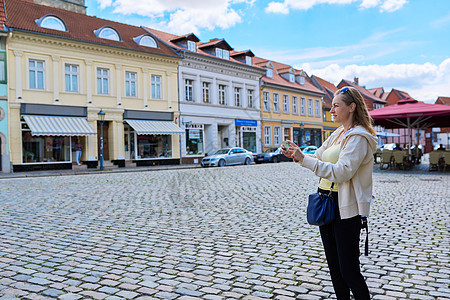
(410, 113)
(387, 134)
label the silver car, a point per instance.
(227, 157)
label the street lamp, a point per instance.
(302, 126)
(101, 118)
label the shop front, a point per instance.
(246, 134)
(48, 136)
(307, 136)
(151, 138)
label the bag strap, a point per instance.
(365, 225)
(331, 189)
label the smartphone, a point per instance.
(285, 145)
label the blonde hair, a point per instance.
(361, 115)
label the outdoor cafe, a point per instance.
(411, 114)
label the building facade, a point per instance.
(5, 162)
(62, 74)
(218, 91)
(291, 106)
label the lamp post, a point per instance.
(301, 133)
(101, 118)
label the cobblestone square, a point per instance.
(219, 233)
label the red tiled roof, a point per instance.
(245, 52)
(21, 15)
(401, 94)
(189, 36)
(215, 42)
(364, 92)
(277, 79)
(328, 87)
(2, 16)
(169, 38)
(443, 100)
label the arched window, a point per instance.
(51, 22)
(107, 33)
(145, 40)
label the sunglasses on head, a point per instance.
(344, 90)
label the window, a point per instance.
(269, 73)
(222, 95)
(277, 135)
(303, 106)
(148, 41)
(301, 80)
(51, 22)
(156, 87)
(44, 149)
(219, 52)
(225, 54)
(267, 136)
(130, 84)
(276, 102)
(107, 33)
(317, 108)
(310, 107)
(285, 103)
(189, 90)
(194, 140)
(154, 146)
(2, 66)
(36, 72)
(295, 105)
(250, 98)
(102, 81)
(287, 134)
(237, 97)
(205, 92)
(291, 78)
(266, 100)
(248, 60)
(71, 77)
(192, 46)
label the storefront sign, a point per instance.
(307, 136)
(239, 122)
(194, 134)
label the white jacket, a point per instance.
(352, 171)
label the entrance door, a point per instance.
(105, 140)
(129, 143)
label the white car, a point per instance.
(228, 157)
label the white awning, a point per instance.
(154, 127)
(53, 125)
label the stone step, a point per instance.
(81, 167)
(107, 164)
(130, 164)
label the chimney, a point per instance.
(356, 80)
(72, 5)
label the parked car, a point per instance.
(388, 146)
(273, 155)
(309, 149)
(228, 157)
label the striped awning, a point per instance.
(62, 126)
(154, 127)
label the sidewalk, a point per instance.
(49, 173)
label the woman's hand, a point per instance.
(293, 152)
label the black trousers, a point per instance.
(341, 243)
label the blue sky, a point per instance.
(402, 44)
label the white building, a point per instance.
(218, 94)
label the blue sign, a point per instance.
(239, 122)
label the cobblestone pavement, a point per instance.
(220, 233)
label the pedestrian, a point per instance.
(344, 164)
(78, 151)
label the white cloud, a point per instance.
(183, 16)
(284, 6)
(422, 81)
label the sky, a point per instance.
(401, 44)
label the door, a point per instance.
(105, 140)
(129, 143)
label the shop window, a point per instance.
(154, 146)
(194, 141)
(44, 149)
(156, 87)
(130, 84)
(71, 73)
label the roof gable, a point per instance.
(216, 43)
(364, 92)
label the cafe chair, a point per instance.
(386, 156)
(400, 159)
(434, 160)
(446, 160)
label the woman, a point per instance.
(78, 151)
(344, 163)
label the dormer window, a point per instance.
(248, 60)
(301, 79)
(51, 22)
(269, 73)
(145, 40)
(107, 33)
(291, 78)
(192, 46)
(225, 54)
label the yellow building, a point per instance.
(64, 67)
(291, 106)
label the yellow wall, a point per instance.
(56, 53)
